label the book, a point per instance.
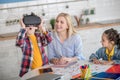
(107, 75)
(114, 69)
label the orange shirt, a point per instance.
(37, 58)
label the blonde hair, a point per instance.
(71, 29)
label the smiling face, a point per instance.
(105, 42)
(61, 24)
(31, 27)
(109, 38)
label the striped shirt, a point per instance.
(24, 42)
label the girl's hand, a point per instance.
(107, 62)
(96, 61)
(21, 23)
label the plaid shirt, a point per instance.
(24, 42)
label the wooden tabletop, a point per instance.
(8, 36)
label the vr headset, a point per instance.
(31, 19)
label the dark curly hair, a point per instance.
(113, 35)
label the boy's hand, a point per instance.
(22, 24)
(30, 30)
(41, 28)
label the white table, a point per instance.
(69, 71)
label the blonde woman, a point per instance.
(66, 45)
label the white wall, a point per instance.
(104, 10)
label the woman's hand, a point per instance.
(63, 60)
(72, 59)
(67, 59)
(58, 61)
(55, 61)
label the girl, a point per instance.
(110, 52)
(66, 45)
(32, 44)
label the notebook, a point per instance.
(107, 75)
(46, 76)
(114, 69)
